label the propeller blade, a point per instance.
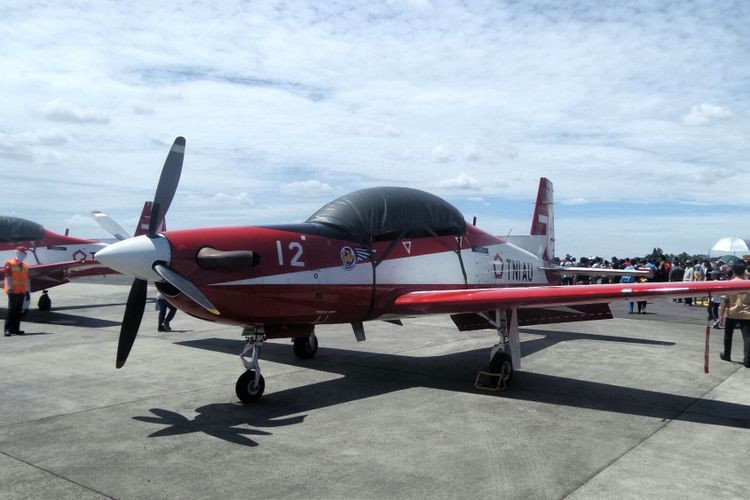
(183, 285)
(110, 225)
(170, 177)
(131, 321)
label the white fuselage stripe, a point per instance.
(515, 266)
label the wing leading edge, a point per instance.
(484, 299)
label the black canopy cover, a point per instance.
(15, 229)
(381, 213)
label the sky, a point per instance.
(637, 111)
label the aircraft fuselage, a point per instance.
(305, 274)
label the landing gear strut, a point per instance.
(505, 355)
(250, 385)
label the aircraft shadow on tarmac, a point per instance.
(222, 421)
(367, 374)
(56, 318)
(92, 306)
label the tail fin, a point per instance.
(543, 221)
(142, 227)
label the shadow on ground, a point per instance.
(367, 375)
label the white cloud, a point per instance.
(575, 201)
(78, 221)
(59, 111)
(472, 154)
(233, 199)
(461, 182)
(441, 154)
(701, 114)
(27, 146)
(143, 109)
(215, 201)
(310, 187)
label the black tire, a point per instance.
(44, 303)
(244, 387)
(502, 363)
(306, 347)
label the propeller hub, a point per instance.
(136, 256)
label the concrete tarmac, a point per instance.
(601, 409)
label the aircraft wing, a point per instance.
(43, 276)
(484, 299)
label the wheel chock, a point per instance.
(487, 381)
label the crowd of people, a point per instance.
(724, 311)
(662, 269)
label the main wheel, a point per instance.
(503, 364)
(306, 347)
(44, 303)
(245, 390)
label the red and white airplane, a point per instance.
(376, 254)
(55, 259)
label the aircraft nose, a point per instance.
(136, 256)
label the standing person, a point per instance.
(629, 278)
(676, 273)
(662, 271)
(596, 280)
(17, 286)
(735, 309)
(688, 276)
(651, 267)
(699, 274)
(713, 311)
(714, 301)
(166, 313)
(567, 278)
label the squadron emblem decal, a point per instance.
(350, 256)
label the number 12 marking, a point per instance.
(295, 247)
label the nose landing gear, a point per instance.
(250, 385)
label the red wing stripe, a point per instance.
(483, 299)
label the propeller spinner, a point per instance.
(147, 257)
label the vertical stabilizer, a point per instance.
(543, 221)
(143, 222)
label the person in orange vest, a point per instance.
(17, 285)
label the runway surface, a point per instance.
(602, 409)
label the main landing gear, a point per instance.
(251, 384)
(306, 347)
(505, 356)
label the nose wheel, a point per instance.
(251, 384)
